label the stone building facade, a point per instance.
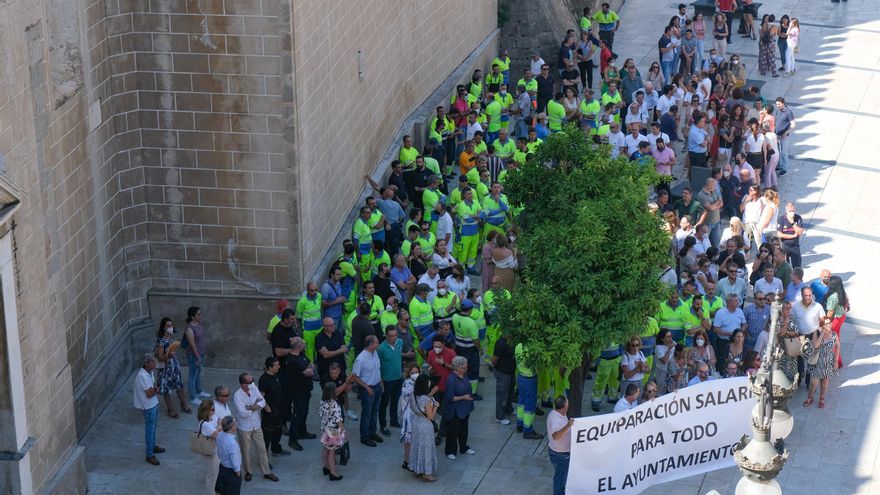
(157, 153)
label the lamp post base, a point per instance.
(750, 487)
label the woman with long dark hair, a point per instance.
(423, 452)
(168, 368)
(196, 351)
(836, 305)
(767, 48)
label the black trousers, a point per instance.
(457, 435)
(284, 412)
(389, 398)
(300, 402)
(271, 426)
(503, 394)
(227, 482)
(586, 69)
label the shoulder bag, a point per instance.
(202, 445)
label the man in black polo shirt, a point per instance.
(302, 372)
(283, 332)
(270, 387)
(331, 347)
(505, 369)
(361, 327)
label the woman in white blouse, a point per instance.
(753, 145)
(771, 155)
(208, 427)
(442, 259)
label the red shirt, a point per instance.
(726, 5)
(440, 370)
(604, 59)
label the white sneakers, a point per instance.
(471, 452)
(351, 415)
(451, 457)
(504, 421)
(196, 402)
(204, 395)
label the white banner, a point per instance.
(674, 436)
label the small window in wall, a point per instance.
(65, 53)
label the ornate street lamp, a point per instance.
(762, 457)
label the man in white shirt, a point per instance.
(702, 375)
(535, 63)
(146, 399)
(559, 439)
(701, 234)
(444, 223)
(249, 402)
(430, 278)
(633, 139)
(727, 319)
(616, 139)
(769, 284)
(221, 404)
(367, 374)
(656, 134)
(630, 400)
(807, 312)
(684, 231)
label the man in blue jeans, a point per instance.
(368, 375)
(785, 123)
(146, 399)
(559, 436)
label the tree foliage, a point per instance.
(593, 248)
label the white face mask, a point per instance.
(726, 174)
(389, 308)
(438, 350)
(502, 93)
(700, 342)
(512, 238)
(442, 292)
(413, 375)
(170, 330)
(479, 300)
(736, 62)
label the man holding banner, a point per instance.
(559, 439)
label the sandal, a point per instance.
(186, 409)
(173, 416)
(427, 478)
(809, 401)
(821, 402)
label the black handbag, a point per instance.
(344, 454)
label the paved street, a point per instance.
(834, 177)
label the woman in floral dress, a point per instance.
(767, 48)
(168, 368)
(826, 344)
(404, 411)
(423, 453)
(332, 430)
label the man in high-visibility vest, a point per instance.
(495, 208)
(493, 115)
(503, 63)
(527, 403)
(590, 108)
(368, 296)
(362, 233)
(468, 213)
(308, 311)
(490, 301)
(555, 113)
(505, 99)
(494, 79)
(671, 316)
(421, 313)
(467, 343)
(430, 196)
(607, 376)
(609, 23)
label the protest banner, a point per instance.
(680, 434)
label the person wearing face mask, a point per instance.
(444, 303)
(169, 377)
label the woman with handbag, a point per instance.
(423, 453)
(204, 442)
(837, 304)
(332, 430)
(405, 412)
(822, 364)
(168, 368)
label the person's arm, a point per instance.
(712, 359)
(244, 409)
(188, 335)
(363, 384)
(627, 373)
(558, 434)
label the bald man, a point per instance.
(820, 286)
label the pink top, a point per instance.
(700, 29)
(793, 35)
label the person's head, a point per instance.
(193, 314)
(328, 391)
(806, 295)
(769, 271)
(797, 275)
(737, 336)
(334, 370)
(710, 289)
(825, 322)
(166, 327)
(665, 337)
(560, 404)
(422, 385)
(632, 392)
(703, 371)
(271, 365)
(391, 335)
(633, 345)
(206, 410)
(371, 343)
(825, 276)
(227, 424)
(443, 330)
(835, 286)
(328, 325)
(650, 391)
(221, 394)
(148, 361)
(335, 273)
(459, 365)
(731, 369)
(697, 303)
(731, 301)
(760, 299)
(780, 103)
(731, 269)
(672, 299)
(297, 345)
(245, 380)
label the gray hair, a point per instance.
(219, 389)
(459, 361)
(731, 296)
(297, 343)
(147, 359)
(227, 423)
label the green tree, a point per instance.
(594, 252)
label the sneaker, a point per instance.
(519, 428)
(196, 402)
(471, 452)
(532, 435)
(351, 415)
(451, 457)
(504, 421)
(377, 438)
(203, 395)
(781, 172)
(386, 432)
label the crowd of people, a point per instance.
(401, 324)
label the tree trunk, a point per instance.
(576, 382)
